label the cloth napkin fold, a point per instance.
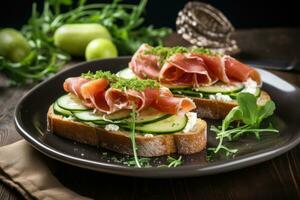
(25, 169)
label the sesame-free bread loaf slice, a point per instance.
(149, 145)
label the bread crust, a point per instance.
(213, 109)
(119, 141)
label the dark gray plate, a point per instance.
(30, 120)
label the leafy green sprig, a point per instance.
(124, 22)
(173, 162)
(248, 116)
(132, 137)
(44, 58)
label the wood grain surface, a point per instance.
(278, 178)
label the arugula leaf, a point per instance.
(265, 111)
(249, 116)
(248, 107)
(234, 114)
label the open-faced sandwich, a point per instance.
(129, 116)
(213, 81)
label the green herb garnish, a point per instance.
(202, 51)
(44, 59)
(101, 74)
(135, 84)
(249, 116)
(132, 136)
(122, 83)
(164, 53)
(172, 162)
(124, 22)
(144, 162)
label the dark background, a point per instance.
(242, 14)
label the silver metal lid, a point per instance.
(204, 26)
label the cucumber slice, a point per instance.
(172, 124)
(71, 102)
(88, 116)
(257, 93)
(119, 115)
(220, 87)
(203, 92)
(60, 111)
(126, 73)
(188, 92)
(115, 117)
(100, 122)
(149, 115)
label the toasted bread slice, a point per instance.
(213, 109)
(119, 141)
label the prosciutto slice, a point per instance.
(172, 105)
(216, 65)
(73, 85)
(98, 95)
(93, 93)
(191, 69)
(239, 71)
(186, 69)
(143, 64)
(118, 99)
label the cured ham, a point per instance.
(191, 68)
(239, 71)
(99, 95)
(228, 69)
(118, 99)
(216, 66)
(73, 85)
(143, 64)
(186, 69)
(93, 94)
(172, 105)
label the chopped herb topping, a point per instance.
(135, 84)
(143, 161)
(122, 83)
(202, 51)
(164, 53)
(100, 74)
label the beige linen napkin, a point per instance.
(24, 169)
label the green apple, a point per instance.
(100, 48)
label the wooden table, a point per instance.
(278, 178)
